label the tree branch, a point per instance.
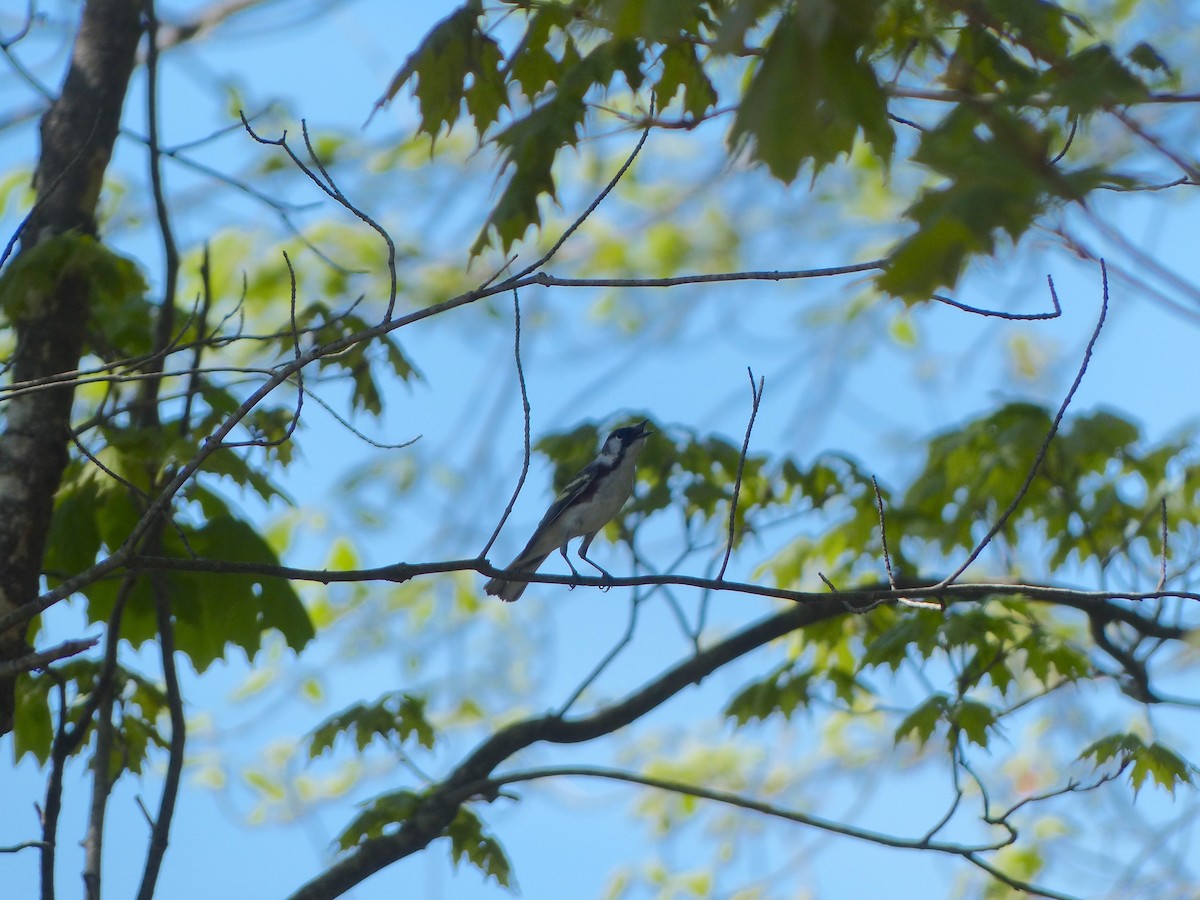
(42, 658)
(440, 805)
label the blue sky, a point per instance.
(827, 388)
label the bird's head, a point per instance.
(622, 439)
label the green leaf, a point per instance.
(399, 715)
(999, 180)
(974, 720)
(33, 732)
(917, 630)
(1094, 79)
(531, 65)
(469, 841)
(653, 20)
(213, 610)
(377, 818)
(815, 91)
(1156, 761)
(923, 720)
(1145, 56)
(74, 539)
(530, 145)
(456, 61)
(970, 718)
(683, 73)
(1038, 26)
(782, 693)
(116, 283)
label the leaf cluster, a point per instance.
(807, 83)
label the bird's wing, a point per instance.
(569, 494)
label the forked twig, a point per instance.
(997, 314)
(1041, 454)
(327, 185)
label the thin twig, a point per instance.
(582, 217)
(1041, 454)
(102, 775)
(326, 183)
(1188, 166)
(1162, 559)
(756, 393)
(295, 368)
(39, 660)
(341, 420)
(166, 309)
(215, 441)
(547, 280)
(525, 413)
(489, 787)
(999, 314)
(887, 559)
(622, 642)
(166, 808)
(193, 387)
(60, 748)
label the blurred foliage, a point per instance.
(808, 86)
(809, 83)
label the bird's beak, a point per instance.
(644, 431)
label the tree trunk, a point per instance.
(77, 135)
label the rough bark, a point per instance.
(77, 135)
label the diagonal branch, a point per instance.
(441, 804)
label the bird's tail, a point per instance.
(509, 590)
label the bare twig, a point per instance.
(215, 441)
(887, 559)
(1067, 143)
(60, 748)
(547, 280)
(999, 314)
(166, 808)
(525, 410)
(1189, 167)
(43, 658)
(756, 393)
(102, 775)
(1041, 454)
(621, 643)
(582, 217)
(295, 369)
(1162, 559)
(973, 854)
(326, 183)
(345, 423)
(193, 387)
(165, 323)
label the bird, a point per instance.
(581, 509)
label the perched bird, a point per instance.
(583, 507)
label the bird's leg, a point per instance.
(583, 549)
(574, 572)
